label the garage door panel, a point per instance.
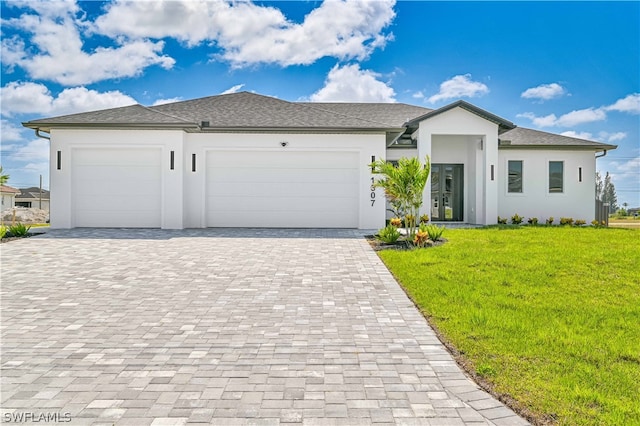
(118, 219)
(284, 204)
(291, 189)
(327, 175)
(282, 189)
(119, 173)
(115, 157)
(281, 159)
(116, 187)
(274, 219)
(130, 203)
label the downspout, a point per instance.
(38, 134)
(603, 154)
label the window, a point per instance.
(556, 177)
(515, 177)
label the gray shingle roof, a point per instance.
(249, 110)
(32, 193)
(244, 110)
(521, 137)
(132, 115)
(392, 114)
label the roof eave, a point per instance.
(46, 127)
(603, 147)
(250, 129)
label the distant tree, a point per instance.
(609, 193)
(599, 186)
(4, 178)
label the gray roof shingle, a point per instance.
(521, 137)
(132, 115)
(249, 110)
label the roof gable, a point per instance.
(502, 123)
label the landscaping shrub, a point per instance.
(516, 219)
(424, 218)
(396, 222)
(421, 238)
(533, 221)
(409, 221)
(19, 230)
(502, 220)
(580, 222)
(550, 221)
(388, 234)
(566, 221)
(3, 231)
(434, 231)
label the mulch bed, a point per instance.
(399, 245)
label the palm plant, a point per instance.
(4, 178)
(403, 185)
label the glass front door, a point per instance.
(447, 193)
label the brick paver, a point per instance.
(220, 326)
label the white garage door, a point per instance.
(116, 188)
(282, 189)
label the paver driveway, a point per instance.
(221, 326)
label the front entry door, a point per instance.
(447, 193)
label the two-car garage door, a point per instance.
(282, 189)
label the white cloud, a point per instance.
(234, 89)
(10, 132)
(579, 135)
(166, 101)
(630, 103)
(458, 87)
(248, 33)
(612, 137)
(36, 150)
(351, 84)
(581, 116)
(546, 121)
(56, 51)
(35, 98)
(418, 95)
(571, 119)
(544, 92)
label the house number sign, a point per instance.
(373, 192)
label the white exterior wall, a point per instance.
(578, 199)
(365, 145)
(8, 201)
(453, 137)
(68, 140)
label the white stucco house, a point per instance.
(247, 160)
(8, 197)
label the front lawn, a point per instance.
(547, 316)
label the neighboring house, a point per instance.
(247, 160)
(33, 198)
(8, 195)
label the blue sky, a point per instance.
(570, 68)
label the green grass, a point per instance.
(549, 316)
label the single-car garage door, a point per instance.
(116, 188)
(282, 189)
